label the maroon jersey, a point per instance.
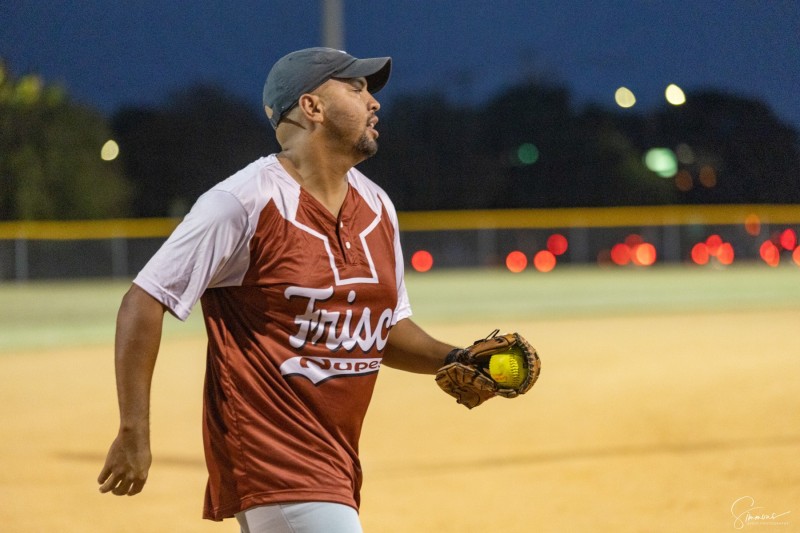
(298, 304)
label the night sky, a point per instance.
(109, 54)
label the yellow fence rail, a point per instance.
(597, 217)
(444, 221)
(69, 230)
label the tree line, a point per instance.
(526, 146)
(50, 165)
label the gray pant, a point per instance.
(309, 517)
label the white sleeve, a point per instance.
(209, 248)
(403, 308)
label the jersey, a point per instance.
(298, 304)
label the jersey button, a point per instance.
(347, 245)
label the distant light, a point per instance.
(674, 95)
(700, 253)
(29, 89)
(714, 242)
(620, 254)
(544, 261)
(725, 254)
(770, 253)
(788, 239)
(633, 240)
(633, 250)
(604, 257)
(528, 154)
(684, 153)
(713, 247)
(516, 261)
(683, 181)
(708, 177)
(644, 254)
(752, 224)
(109, 151)
(422, 261)
(624, 97)
(557, 244)
(796, 256)
(662, 161)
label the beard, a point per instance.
(366, 145)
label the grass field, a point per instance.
(55, 314)
(668, 402)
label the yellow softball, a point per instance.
(508, 368)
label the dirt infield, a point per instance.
(671, 422)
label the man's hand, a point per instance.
(136, 348)
(127, 464)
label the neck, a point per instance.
(321, 173)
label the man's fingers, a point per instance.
(110, 481)
(122, 488)
(104, 473)
(137, 487)
(125, 470)
(122, 485)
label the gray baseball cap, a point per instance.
(301, 72)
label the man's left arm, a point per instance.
(411, 349)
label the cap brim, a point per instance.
(376, 70)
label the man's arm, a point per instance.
(138, 337)
(411, 349)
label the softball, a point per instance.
(508, 369)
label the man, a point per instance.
(296, 260)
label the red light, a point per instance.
(644, 254)
(713, 242)
(683, 181)
(620, 254)
(516, 261)
(700, 253)
(752, 224)
(725, 254)
(788, 239)
(770, 253)
(557, 244)
(422, 261)
(633, 240)
(544, 261)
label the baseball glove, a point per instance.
(465, 374)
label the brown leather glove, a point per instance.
(465, 374)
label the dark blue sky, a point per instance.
(110, 54)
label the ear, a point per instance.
(311, 106)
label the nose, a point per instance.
(372, 103)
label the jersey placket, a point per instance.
(345, 241)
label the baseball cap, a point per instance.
(300, 72)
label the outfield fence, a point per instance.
(118, 248)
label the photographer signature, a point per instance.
(745, 511)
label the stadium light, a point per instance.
(109, 151)
(625, 97)
(674, 95)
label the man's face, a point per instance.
(350, 114)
